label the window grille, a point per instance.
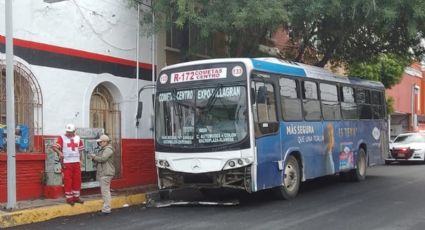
(28, 109)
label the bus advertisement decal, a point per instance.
(346, 159)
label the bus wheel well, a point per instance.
(297, 156)
(291, 178)
(359, 172)
(363, 146)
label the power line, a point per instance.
(95, 32)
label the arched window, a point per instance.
(28, 109)
(104, 113)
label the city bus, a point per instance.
(264, 123)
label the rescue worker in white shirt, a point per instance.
(70, 147)
(105, 170)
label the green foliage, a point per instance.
(373, 36)
(386, 68)
(390, 105)
(357, 30)
(244, 24)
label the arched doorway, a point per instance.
(105, 113)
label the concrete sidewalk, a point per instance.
(34, 211)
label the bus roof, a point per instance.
(280, 66)
(302, 70)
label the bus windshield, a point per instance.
(202, 117)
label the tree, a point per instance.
(244, 24)
(338, 30)
(386, 68)
(374, 34)
(352, 31)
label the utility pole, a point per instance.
(10, 110)
(415, 91)
(137, 61)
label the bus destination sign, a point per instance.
(198, 75)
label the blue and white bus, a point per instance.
(264, 123)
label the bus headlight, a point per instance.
(163, 164)
(240, 162)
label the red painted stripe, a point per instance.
(25, 156)
(74, 52)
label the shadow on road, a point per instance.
(246, 199)
(404, 163)
(314, 186)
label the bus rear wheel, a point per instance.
(291, 180)
(359, 173)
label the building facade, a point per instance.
(409, 102)
(76, 62)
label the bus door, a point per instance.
(267, 138)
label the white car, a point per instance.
(407, 147)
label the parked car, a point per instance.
(407, 147)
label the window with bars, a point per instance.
(28, 110)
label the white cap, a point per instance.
(70, 128)
(103, 138)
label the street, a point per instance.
(390, 198)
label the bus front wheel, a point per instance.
(359, 173)
(291, 179)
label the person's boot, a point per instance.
(78, 200)
(70, 202)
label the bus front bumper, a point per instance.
(238, 178)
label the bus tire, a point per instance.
(291, 180)
(359, 173)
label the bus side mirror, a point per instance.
(139, 112)
(252, 96)
(261, 95)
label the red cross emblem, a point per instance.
(72, 145)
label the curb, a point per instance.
(33, 215)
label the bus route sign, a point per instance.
(197, 75)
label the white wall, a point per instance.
(106, 27)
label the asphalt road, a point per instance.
(391, 198)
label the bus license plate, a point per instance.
(400, 155)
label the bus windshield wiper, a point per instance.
(176, 104)
(213, 98)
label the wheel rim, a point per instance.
(291, 177)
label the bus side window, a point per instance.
(264, 108)
(311, 103)
(348, 103)
(363, 102)
(330, 102)
(290, 99)
(378, 106)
